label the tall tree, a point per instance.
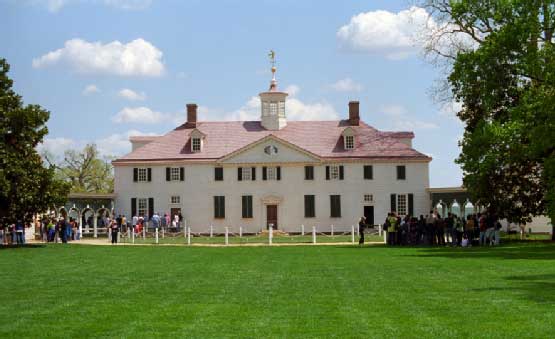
(506, 86)
(86, 171)
(26, 186)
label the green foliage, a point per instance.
(507, 88)
(26, 186)
(86, 171)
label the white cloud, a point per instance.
(131, 95)
(401, 121)
(56, 5)
(384, 33)
(141, 115)
(346, 85)
(91, 89)
(138, 57)
(56, 147)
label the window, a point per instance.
(334, 172)
(196, 144)
(273, 108)
(265, 108)
(309, 173)
(335, 206)
(349, 142)
(368, 172)
(309, 209)
(281, 109)
(401, 173)
(174, 174)
(218, 173)
(271, 173)
(175, 199)
(402, 204)
(247, 206)
(142, 206)
(219, 207)
(368, 198)
(246, 173)
(142, 175)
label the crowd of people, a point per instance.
(476, 229)
(13, 233)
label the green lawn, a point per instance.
(302, 291)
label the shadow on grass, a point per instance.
(12, 246)
(539, 288)
(512, 251)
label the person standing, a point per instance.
(361, 226)
(114, 227)
(392, 229)
(19, 235)
(176, 222)
(62, 230)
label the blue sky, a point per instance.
(107, 69)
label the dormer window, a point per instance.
(348, 138)
(196, 145)
(349, 142)
(197, 140)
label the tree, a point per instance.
(26, 186)
(506, 86)
(86, 171)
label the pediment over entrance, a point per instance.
(271, 200)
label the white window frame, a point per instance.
(175, 199)
(142, 206)
(402, 204)
(246, 173)
(142, 175)
(334, 172)
(175, 174)
(368, 198)
(271, 173)
(281, 108)
(196, 144)
(349, 141)
(265, 108)
(273, 108)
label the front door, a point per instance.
(174, 212)
(369, 215)
(271, 216)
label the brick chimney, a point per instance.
(192, 115)
(354, 116)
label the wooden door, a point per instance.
(271, 216)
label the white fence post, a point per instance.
(332, 230)
(270, 234)
(133, 235)
(185, 228)
(385, 237)
(313, 234)
(156, 235)
(240, 231)
(352, 234)
(227, 236)
(144, 231)
(302, 229)
(380, 230)
(163, 233)
(188, 235)
(211, 231)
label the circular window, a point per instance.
(271, 150)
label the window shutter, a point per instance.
(150, 208)
(218, 173)
(253, 175)
(368, 169)
(244, 205)
(240, 173)
(341, 173)
(401, 173)
(411, 204)
(135, 174)
(216, 207)
(133, 207)
(181, 173)
(393, 203)
(308, 173)
(279, 173)
(149, 174)
(327, 173)
(168, 174)
(264, 173)
(222, 206)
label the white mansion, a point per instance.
(273, 171)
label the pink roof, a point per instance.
(322, 138)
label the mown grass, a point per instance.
(276, 292)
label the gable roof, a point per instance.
(321, 138)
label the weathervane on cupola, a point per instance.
(272, 115)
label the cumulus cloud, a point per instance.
(383, 32)
(56, 5)
(393, 110)
(138, 57)
(141, 115)
(90, 89)
(346, 85)
(55, 147)
(131, 95)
